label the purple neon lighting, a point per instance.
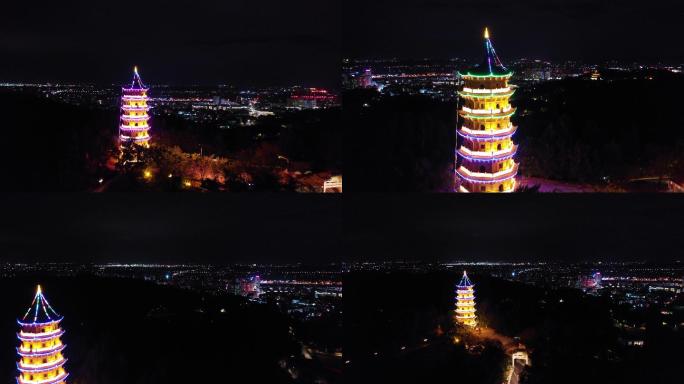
(488, 137)
(51, 336)
(54, 380)
(41, 353)
(489, 180)
(135, 94)
(489, 158)
(56, 364)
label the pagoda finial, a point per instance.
(39, 291)
(135, 69)
(486, 33)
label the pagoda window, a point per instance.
(498, 125)
(482, 169)
(482, 127)
(498, 147)
(501, 187)
(482, 188)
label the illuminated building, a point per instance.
(40, 351)
(311, 98)
(333, 184)
(134, 125)
(465, 302)
(485, 157)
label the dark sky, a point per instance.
(319, 229)
(243, 42)
(171, 228)
(590, 30)
(447, 227)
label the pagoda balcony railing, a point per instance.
(125, 89)
(135, 118)
(470, 304)
(40, 352)
(39, 336)
(41, 367)
(132, 97)
(487, 134)
(503, 154)
(485, 95)
(492, 91)
(136, 138)
(39, 324)
(132, 108)
(476, 177)
(50, 380)
(467, 310)
(487, 111)
(136, 128)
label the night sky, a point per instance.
(321, 229)
(589, 30)
(519, 227)
(173, 228)
(241, 42)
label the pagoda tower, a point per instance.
(465, 302)
(485, 157)
(134, 124)
(40, 349)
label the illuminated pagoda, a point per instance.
(134, 125)
(485, 157)
(465, 302)
(40, 351)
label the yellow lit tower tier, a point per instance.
(134, 125)
(485, 157)
(40, 349)
(465, 302)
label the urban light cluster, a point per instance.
(485, 157)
